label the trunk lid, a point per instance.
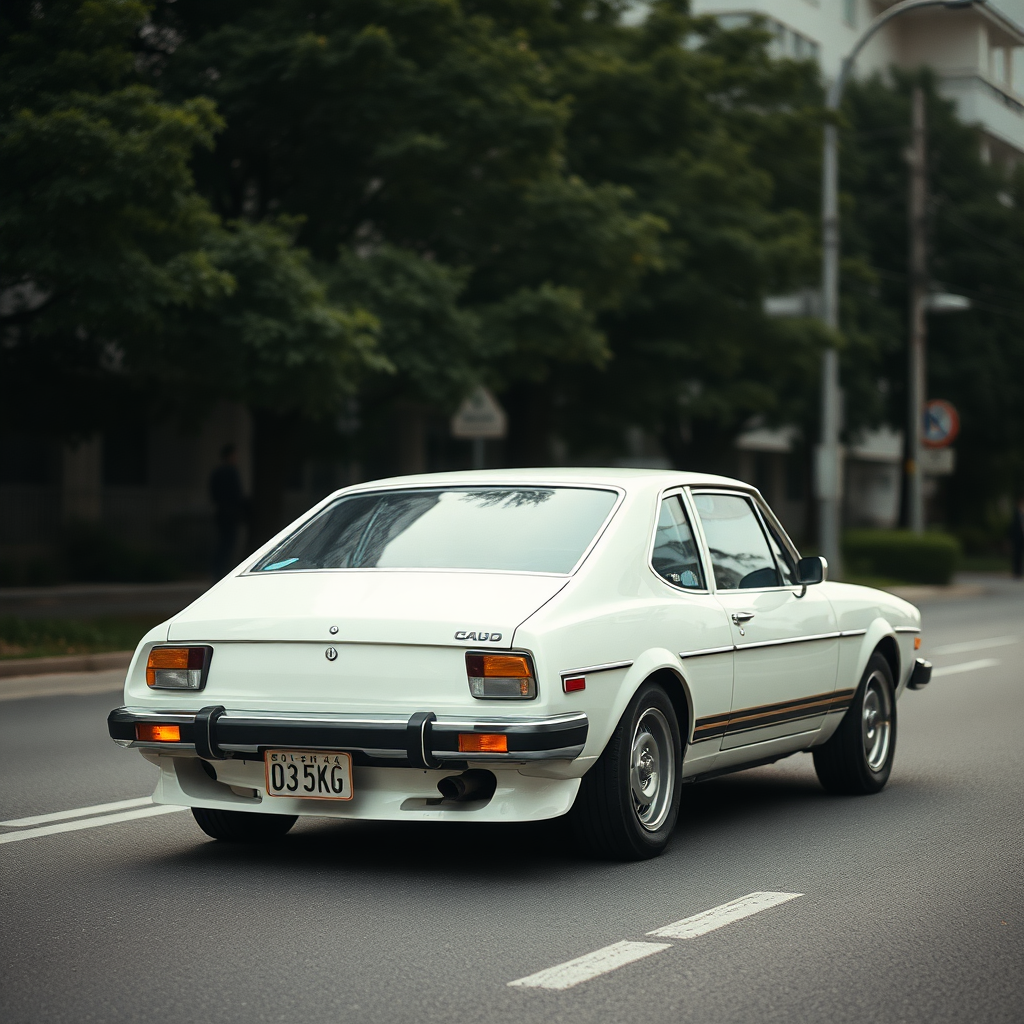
(372, 606)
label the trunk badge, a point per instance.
(333, 630)
(330, 654)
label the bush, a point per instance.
(901, 555)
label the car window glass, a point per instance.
(531, 529)
(739, 550)
(783, 559)
(675, 551)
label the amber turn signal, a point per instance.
(483, 743)
(151, 732)
(917, 643)
(498, 665)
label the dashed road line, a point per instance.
(76, 812)
(74, 826)
(718, 917)
(973, 645)
(583, 968)
(966, 666)
(619, 954)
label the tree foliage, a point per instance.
(115, 273)
(288, 203)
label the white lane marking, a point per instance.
(77, 812)
(718, 917)
(107, 819)
(973, 645)
(583, 968)
(966, 666)
(601, 961)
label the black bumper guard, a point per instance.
(921, 675)
(423, 740)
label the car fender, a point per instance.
(854, 653)
(653, 660)
(880, 629)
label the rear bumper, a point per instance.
(423, 740)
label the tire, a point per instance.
(242, 826)
(858, 757)
(628, 802)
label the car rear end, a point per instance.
(362, 691)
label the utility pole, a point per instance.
(828, 469)
(917, 158)
(828, 464)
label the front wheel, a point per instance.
(242, 826)
(628, 802)
(858, 758)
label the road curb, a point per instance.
(18, 667)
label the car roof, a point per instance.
(627, 479)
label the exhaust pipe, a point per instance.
(475, 784)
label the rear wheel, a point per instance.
(858, 758)
(628, 802)
(242, 826)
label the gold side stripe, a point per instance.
(747, 718)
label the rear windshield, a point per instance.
(529, 529)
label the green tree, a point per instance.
(699, 127)
(115, 273)
(100, 227)
(423, 143)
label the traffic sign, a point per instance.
(941, 424)
(480, 416)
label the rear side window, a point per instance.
(531, 529)
(675, 551)
(737, 545)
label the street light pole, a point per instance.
(916, 378)
(828, 462)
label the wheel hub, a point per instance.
(876, 722)
(652, 769)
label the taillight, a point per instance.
(500, 676)
(178, 668)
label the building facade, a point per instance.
(976, 53)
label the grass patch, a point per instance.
(43, 638)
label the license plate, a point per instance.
(308, 774)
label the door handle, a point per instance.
(739, 618)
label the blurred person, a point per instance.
(229, 500)
(1017, 539)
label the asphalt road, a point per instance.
(911, 904)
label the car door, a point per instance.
(785, 635)
(695, 627)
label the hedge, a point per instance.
(901, 555)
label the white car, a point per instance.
(516, 645)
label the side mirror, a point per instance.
(810, 570)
